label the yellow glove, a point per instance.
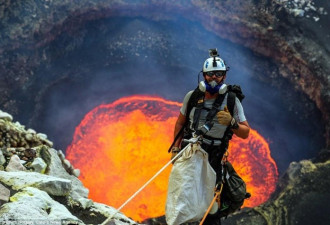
(224, 117)
(174, 152)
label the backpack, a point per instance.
(233, 193)
(234, 91)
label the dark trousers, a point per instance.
(215, 157)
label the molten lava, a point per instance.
(252, 161)
(120, 146)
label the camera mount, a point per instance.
(214, 53)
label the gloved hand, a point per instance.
(224, 117)
(174, 152)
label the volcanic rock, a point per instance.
(52, 185)
(15, 164)
(110, 212)
(76, 172)
(85, 203)
(32, 204)
(4, 193)
(302, 197)
(56, 169)
(5, 116)
(2, 159)
(30, 153)
(27, 195)
(39, 165)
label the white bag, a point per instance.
(191, 187)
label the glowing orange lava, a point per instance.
(252, 161)
(120, 146)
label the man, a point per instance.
(215, 125)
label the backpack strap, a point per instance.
(197, 114)
(197, 100)
(234, 91)
(215, 107)
(211, 112)
(196, 97)
(231, 102)
(192, 102)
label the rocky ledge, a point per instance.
(302, 197)
(38, 185)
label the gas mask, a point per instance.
(212, 87)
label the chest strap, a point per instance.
(197, 113)
(211, 113)
(211, 142)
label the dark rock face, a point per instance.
(268, 27)
(301, 198)
(60, 61)
(55, 58)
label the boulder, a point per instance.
(31, 205)
(2, 158)
(39, 165)
(4, 193)
(15, 164)
(109, 211)
(52, 185)
(42, 136)
(6, 116)
(76, 172)
(85, 203)
(302, 197)
(55, 168)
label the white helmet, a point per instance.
(214, 64)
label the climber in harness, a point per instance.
(214, 111)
